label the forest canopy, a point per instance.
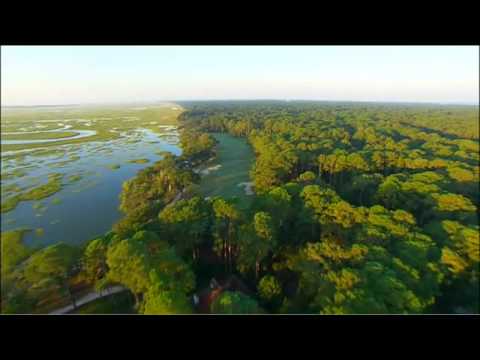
(357, 209)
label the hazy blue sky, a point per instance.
(79, 74)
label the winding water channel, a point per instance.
(83, 208)
(80, 134)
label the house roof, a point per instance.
(208, 295)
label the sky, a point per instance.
(56, 75)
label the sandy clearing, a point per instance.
(209, 169)
(248, 187)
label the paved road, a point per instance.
(89, 298)
(107, 292)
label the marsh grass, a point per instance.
(74, 178)
(37, 205)
(43, 191)
(139, 161)
(39, 136)
(101, 135)
(101, 120)
(48, 152)
(16, 173)
(56, 201)
(10, 188)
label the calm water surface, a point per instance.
(88, 207)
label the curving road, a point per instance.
(88, 298)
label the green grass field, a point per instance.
(235, 157)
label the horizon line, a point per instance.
(464, 103)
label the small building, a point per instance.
(203, 300)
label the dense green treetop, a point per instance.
(357, 208)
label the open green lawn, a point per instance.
(235, 157)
